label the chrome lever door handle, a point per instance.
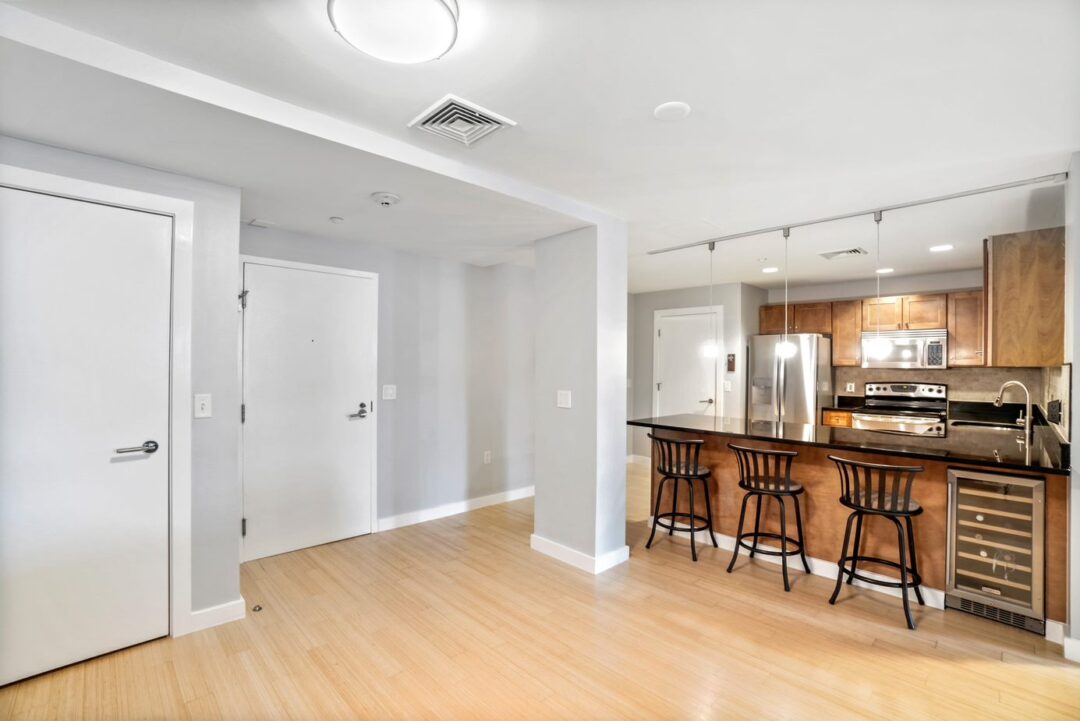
(707, 400)
(148, 447)
(362, 413)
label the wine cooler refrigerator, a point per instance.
(995, 555)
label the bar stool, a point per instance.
(677, 461)
(874, 489)
(767, 474)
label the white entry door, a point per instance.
(309, 394)
(686, 361)
(84, 376)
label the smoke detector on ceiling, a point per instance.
(460, 120)
(829, 255)
(385, 200)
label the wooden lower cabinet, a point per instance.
(837, 419)
(847, 319)
(967, 329)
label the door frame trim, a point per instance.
(182, 212)
(246, 258)
(717, 373)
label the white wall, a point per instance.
(457, 342)
(929, 283)
(1072, 355)
(215, 491)
(740, 303)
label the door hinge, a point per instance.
(657, 332)
(243, 527)
(243, 412)
(658, 386)
(243, 298)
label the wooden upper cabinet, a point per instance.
(771, 319)
(890, 311)
(967, 328)
(811, 318)
(925, 312)
(1025, 302)
(847, 316)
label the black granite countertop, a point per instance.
(979, 447)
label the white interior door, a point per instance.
(84, 370)
(309, 445)
(686, 361)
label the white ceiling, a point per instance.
(800, 109)
(292, 179)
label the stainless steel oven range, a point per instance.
(910, 409)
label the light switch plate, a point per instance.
(562, 399)
(389, 393)
(204, 407)
(487, 457)
(727, 385)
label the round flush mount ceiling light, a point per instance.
(675, 110)
(883, 271)
(385, 200)
(770, 269)
(397, 31)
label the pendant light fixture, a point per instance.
(712, 348)
(878, 348)
(397, 31)
(785, 348)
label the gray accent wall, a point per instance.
(890, 285)
(457, 341)
(740, 302)
(215, 485)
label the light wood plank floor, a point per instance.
(459, 619)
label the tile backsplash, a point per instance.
(965, 384)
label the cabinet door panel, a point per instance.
(813, 318)
(925, 312)
(890, 311)
(967, 325)
(771, 319)
(847, 333)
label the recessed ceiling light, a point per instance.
(883, 271)
(385, 199)
(335, 219)
(770, 269)
(401, 31)
(674, 110)
(940, 248)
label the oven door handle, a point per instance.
(921, 420)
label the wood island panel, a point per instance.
(824, 518)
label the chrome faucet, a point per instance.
(1027, 414)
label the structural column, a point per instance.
(1072, 355)
(580, 401)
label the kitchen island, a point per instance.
(825, 518)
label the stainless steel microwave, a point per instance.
(905, 349)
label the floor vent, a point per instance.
(1009, 618)
(459, 120)
(829, 255)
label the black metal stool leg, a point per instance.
(903, 572)
(857, 549)
(914, 560)
(656, 510)
(674, 505)
(738, 532)
(708, 511)
(802, 542)
(693, 533)
(840, 563)
(758, 500)
(783, 541)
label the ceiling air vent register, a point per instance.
(832, 254)
(459, 120)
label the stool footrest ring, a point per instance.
(692, 517)
(913, 578)
(774, 536)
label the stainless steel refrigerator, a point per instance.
(789, 390)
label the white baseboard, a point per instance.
(452, 509)
(1071, 648)
(1055, 633)
(577, 559)
(640, 460)
(212, 616)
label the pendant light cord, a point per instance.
(715, 343)
(787, 234)
(877, 226)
